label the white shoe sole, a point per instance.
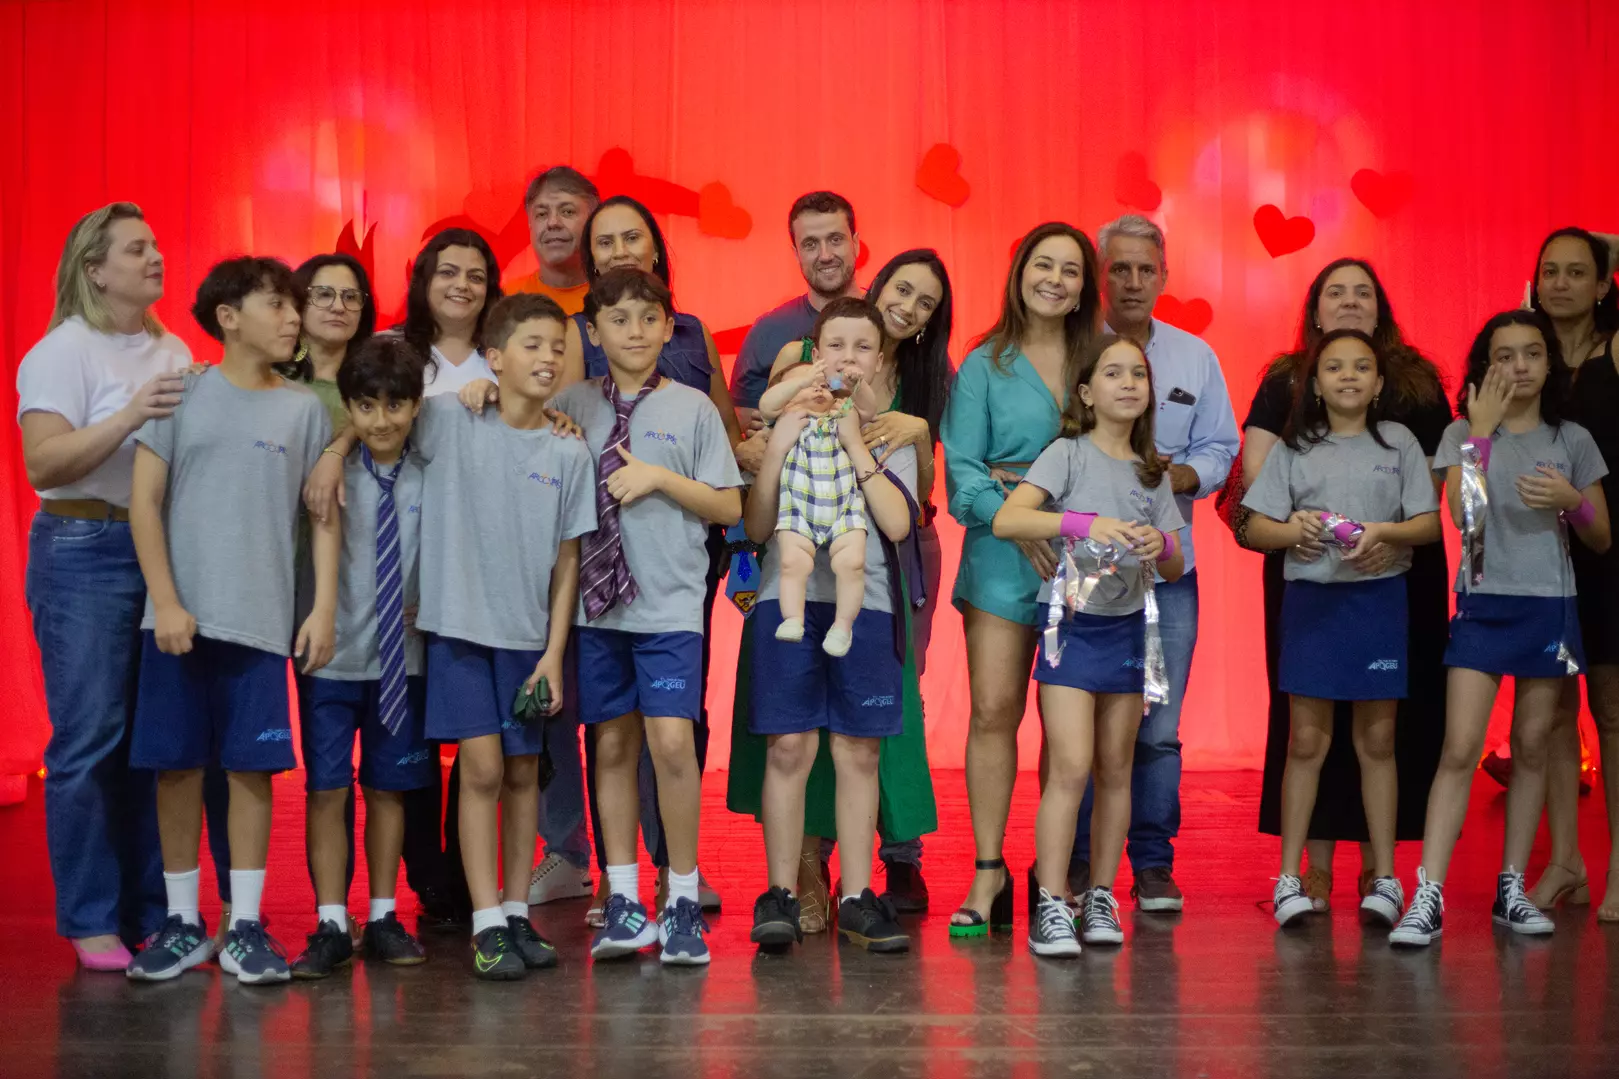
(1102, 937)
(1531, 930)
(684, 959)
(195, 958)
(1061, 949)
(612, 950)
(1412, 938)
(1294, 910)
(1161, 904)
(561, 888)
(230, 967)
(1378, 912)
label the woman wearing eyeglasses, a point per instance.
(339, 315)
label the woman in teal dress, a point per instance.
(1005, 407)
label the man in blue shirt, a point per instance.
(1197, 437)
(822, 227)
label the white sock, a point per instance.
(850, 896)
(625, 880)
(182, 892)
(246, 889)
(488, 918)
(381, 907)
(514, 909)
(336, 914)
(682, 887)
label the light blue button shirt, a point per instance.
(1195, 425)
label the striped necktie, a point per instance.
(390, 598)
(604, 573)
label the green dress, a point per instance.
(906, 808)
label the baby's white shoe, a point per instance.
(837, 641)
(791, 630)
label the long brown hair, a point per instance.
(1080, 326)
(1410, 377)
(1079, 418)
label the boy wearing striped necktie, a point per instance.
(373, 684)
(664, 471)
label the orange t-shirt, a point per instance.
(572, 300)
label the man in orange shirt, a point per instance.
(557, 203)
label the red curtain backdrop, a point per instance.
(1440, 139)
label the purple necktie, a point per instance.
(604, 573)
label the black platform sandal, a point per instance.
(1000, 909)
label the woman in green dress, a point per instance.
(912, 294)
(1005, 408)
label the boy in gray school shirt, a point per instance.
(237, 462)
(678, 429)
(1354, 478)
(497, 502)
(1524, 553)
(1079, 476)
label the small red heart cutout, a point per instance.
(863, 257)
(717, 215)
(1133, 187)
(939, 175)
(1193, 316)
(1384, 194)
(614, 171)
(491, 209)
(1282, 235)
(728, 342)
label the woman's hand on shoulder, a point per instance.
(891, 431)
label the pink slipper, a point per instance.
(116, 958)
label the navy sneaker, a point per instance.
(530, 945)
(495, 956)
(326, 950)
(625, 929)
(253, 956)
(176, 947)
(681, 931)
(386, 939)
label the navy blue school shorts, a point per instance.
(1103, 654)
(333, 710)
(795, 686)
(219, 700)
(653, 674)
(470, 691)
(1344, 641)
(1514, 635)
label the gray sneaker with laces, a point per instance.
(1099, 918)
(1051, 931)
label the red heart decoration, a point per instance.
(1282, 235)
(717, 215)
(728, 342)
(1133, 187)
(1384, 194)
(1193, 316)
(939, 175)
(863, 257)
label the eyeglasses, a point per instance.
(324, 296)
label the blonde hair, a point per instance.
(88, 243)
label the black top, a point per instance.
(1594, 405)
(1273, 401)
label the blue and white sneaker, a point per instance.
(681, 931)
(253, 956)
(176, 947)
(626, 929)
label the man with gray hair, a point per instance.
(1197, 438)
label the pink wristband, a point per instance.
(1170, 543)
(1582, 515)
(1075, 526)
(1483, 447)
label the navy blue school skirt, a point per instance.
(1104, 654)
(1514, 635)
(1344, 641)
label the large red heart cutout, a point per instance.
(939, 175)
(1384, 194)
(717, 215)
(1282, 235)
(728, 342)
(1193, 316)
(1133, 187)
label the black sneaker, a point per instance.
(906, 890)
(531, 946)
(1424, 920)
(1099, 918)
(868, 921)
(495, 956)
(437, 914)
(775, 919)
(326, 950)
(387, 940)
(1514, 910)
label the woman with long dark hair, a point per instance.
(1004, 409)
(1347, 295)
(454, 282)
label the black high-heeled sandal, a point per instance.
(1000, 909)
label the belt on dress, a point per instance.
(84, 509)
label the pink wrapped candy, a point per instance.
(1340, 531)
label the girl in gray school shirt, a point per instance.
(1351, 476)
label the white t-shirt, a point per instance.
(444, 377)
(85, 376)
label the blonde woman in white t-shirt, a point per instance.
(103, 369)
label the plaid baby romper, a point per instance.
(820, 499)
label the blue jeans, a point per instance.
(86, 595)
(1155, 780)
(562, 803)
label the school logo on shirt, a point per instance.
(1142, 501)
(878, 701)
(660, 436)
(1392, 470)
(1135, 663)
(1560, 466)
(1383, 665)
(269, 447)
(669, 684)
(543, 478)
(276, 735)
(415, 508)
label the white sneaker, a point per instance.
(557, 879)
(1384, 903)
(1290, 900)
(837, 641)
(790, 630)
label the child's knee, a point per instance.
(323, 803)
(797, 553)
(855, 755)
(848, 552)
(672, 743)
(1308, 745)
(792, 754)
(1375, 742)
(482, 774)
(521, 774)
(618, 744)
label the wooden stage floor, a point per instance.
(1218, 990)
